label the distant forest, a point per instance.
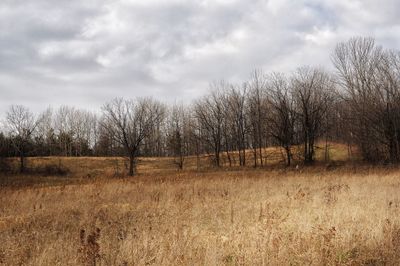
(358, 104)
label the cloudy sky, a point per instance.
(84, 53)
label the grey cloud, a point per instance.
(84, 53)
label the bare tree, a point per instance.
(4, 152)
(389, 102)
(129, 122)
(154, 144)
(209, 112)
(178, 133)
(21, 124)
(45, 136)
(235, 112)
(83, 126)
(63, 125)
(257, 109)
(370, 78)
(312, 90)
(356, 62)
(283, 117)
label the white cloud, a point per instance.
(112, 58)
(85, 52)
(319, 36)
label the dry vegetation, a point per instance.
(232, 217)
(308, 216)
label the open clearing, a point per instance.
(254, 217)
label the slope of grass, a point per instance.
(117, 166)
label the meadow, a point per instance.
(328, 214)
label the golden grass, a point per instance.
(258, 217)
(87, 167)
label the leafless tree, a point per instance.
(209, 112)
(312, 90)
(282, 117)
(21, 124)
(4, 152)
(258, 111)
(388, 90)
(154, 144)
(356, 63)
(235, 112)
(63, 127)
(45, 136)
(130, 121)
(178, 133)
(76, 130)
(83, 126)
(369, 76)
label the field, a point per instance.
(347, 215)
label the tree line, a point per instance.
(358, 104)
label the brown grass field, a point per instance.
(345, 215)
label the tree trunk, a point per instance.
(288, 155)
(197, 155)
(255, 157)
(311, 150)
(131, 165)
(244, 156)
(305, 147)
(229, 158)
(326, 149)
(21, 163)
(181, 160)
(260, 143)
(217, 161)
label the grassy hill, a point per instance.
(95, 166)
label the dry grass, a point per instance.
(95, 167)
(258, 217)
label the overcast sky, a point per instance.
(86, 52)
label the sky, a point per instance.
(85, 53)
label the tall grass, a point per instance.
(308, 217)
